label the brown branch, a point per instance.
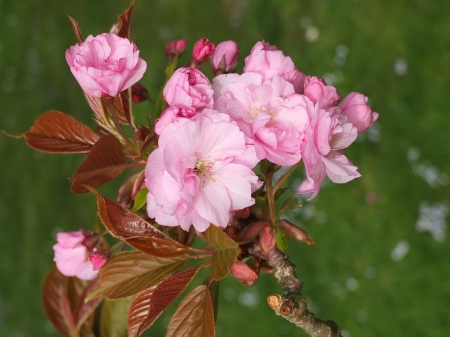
(292, 305)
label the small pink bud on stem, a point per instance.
(225, 58)
(174, 48)
(201, 52)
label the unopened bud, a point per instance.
(295, 232)
(175, 48)
(250, 232)
(99, 258)
(225, 58)
(243, 273)
(139, 93)
(202, 51)
(267, 240)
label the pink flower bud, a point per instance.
(175, 47)
(71, 254)
(99, 258)
(139, 93)
(355, 108)
(203, 49)
(225, 58)
(243, 273)
(106, 64)
(267, 240)
(319, 92)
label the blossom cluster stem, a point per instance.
(285, 176)
(271, 198)
(293, 305)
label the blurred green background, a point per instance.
(380, 266)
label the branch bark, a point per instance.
(292, 305)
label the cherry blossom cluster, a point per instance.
(212, 134)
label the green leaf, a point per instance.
(104, 162)
(262, 202)
(194, 316)
(282, 241)
(140, 200)
(214, 291)
(129, 273)
(57, 132)
(289, 204)
(151, 303)
(225, 252)
(113, 319)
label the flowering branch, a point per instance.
(293, 305)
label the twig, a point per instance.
(292, 305)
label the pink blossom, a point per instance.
(200, 173)
(106, 64)
(175, 48)
(189, 90)
(355, 108)
(225, 58)
(72, 254)
(266, 60)
(319, 92)
(326, 137)
(203, 49)
(270, 114)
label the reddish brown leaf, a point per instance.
(122, 27)
(129, 273)
(77, 29)
(194, 316)
(122, 103)
(84, 310)
(138, 312)
(105, 162)
(54, 298)
(95, 104)
(137, 232)
(225, 252)
(158, 247)
(57, 132)
(162, 296)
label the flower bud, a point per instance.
(243, 273)
(296, 233)
(355, 108)
(319, 92)
(225, 58)
(139, 93)
(203, 49)
(175, 48)
(99, 258)
(266, 240)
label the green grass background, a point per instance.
(350, 275)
